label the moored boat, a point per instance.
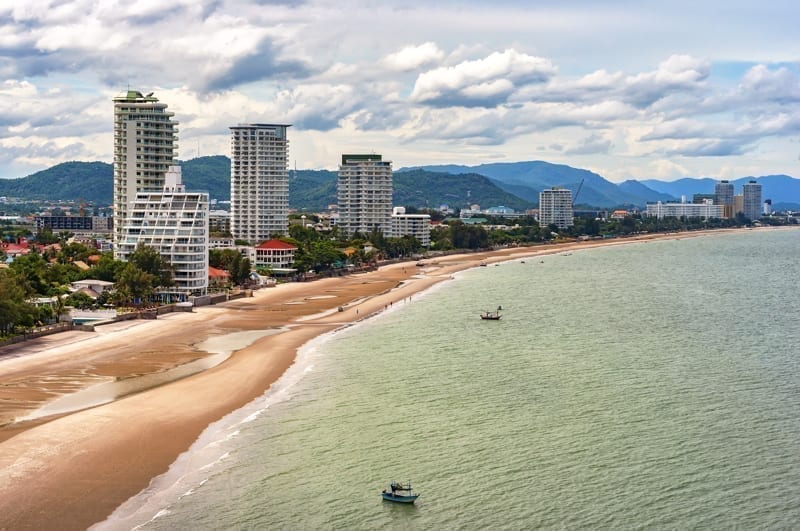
(492, 316)
(399, 493)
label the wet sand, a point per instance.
(73, 470)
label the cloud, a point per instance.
(262, 64)
(709, 147)
(652, 84)
(413, 57)
(592, 144)
(483, 82)
(678, 73)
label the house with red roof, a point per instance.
(277, 255)
(14, 249)
(218, 278)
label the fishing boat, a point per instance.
(492, 316)
(399, 493)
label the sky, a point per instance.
(641, 89)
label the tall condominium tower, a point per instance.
(145, 146)
(752, 200)
(259, 181)
(364, 190)
(723, 195)
(555, 207)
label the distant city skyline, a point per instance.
(644, 90)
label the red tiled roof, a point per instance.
(213, 272)
(277, 245)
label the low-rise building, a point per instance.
(416, 225)
(705, 210)
(276, 255)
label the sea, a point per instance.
(642, 386)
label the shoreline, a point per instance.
(75, 470)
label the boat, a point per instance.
(492, 316)
(399, 493)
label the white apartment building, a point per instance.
(259, 181)
(416, 225)
(174, 222)
(555, 207)
(364, 190)
(706, 210)
(145, 146)
(751, 192)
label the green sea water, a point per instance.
(641, 386)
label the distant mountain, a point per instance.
(422, 188)
(516, 185)
(527, 179)
(308, 189)
(312, 190)
(780, 188)
(646, 194)
(682, 187)
(88, 181)
(208, 174)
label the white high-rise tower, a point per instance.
(259, 181)
(364, 190)
(145, 146)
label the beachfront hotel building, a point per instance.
(416, 225)
(259, 181)
(723, 195)
(276, 255)
(364, 191)
(555, 207)
(174, 222)
(145, 146)
(705, 210)
(751, 197)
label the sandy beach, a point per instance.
(72, 470)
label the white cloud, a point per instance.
(617, 86)
(495, 76)
(413, 57)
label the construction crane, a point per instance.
(575, 197)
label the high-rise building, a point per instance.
(145, 146)
(259, 181)
(364, 190)
(174, 222)
(751, 193)
(723, 195)
(555, 207)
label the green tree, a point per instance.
(73, 251)
(14, 310)
(80, 300)
(150, 261)
(135, 285)
(31, 267)
(107, 268)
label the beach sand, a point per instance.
(73, 470)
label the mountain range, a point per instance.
(514, 184)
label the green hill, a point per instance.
(422, 188)
(308, 189)
(87, 181)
